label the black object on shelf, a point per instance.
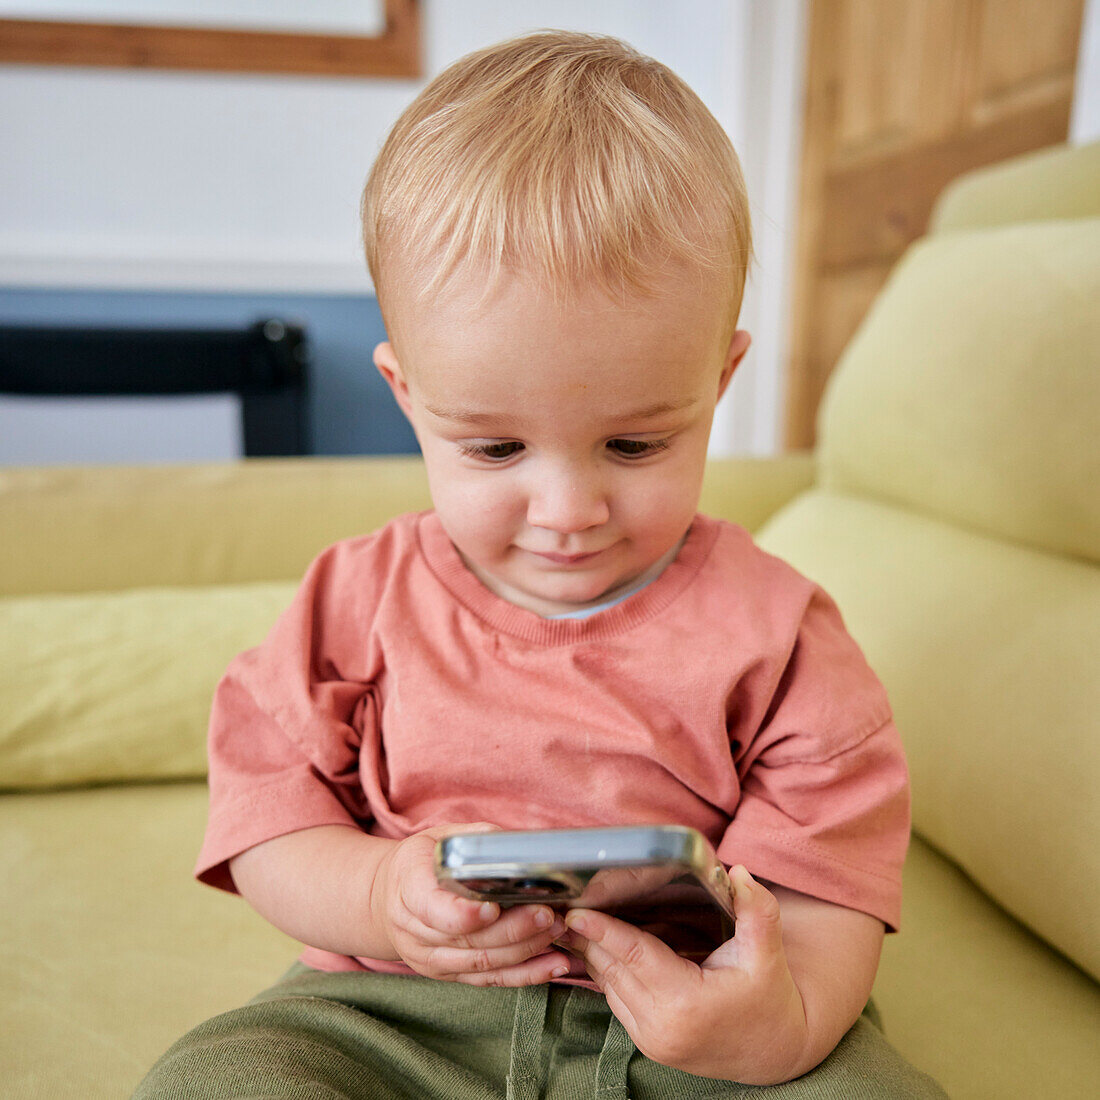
(266, 364)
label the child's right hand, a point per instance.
(441, 935)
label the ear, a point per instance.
(385, 359)
(739, 345)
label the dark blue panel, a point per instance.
(351, 409)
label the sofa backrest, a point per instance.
(972, 389)
(125, 592)
(957, 522)
(1055, 183)
(112, 528)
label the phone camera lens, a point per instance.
(541, 888)
(488, 885)
(523, 888)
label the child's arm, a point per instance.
(767, 1006)
(340, 889)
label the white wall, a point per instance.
(241, 182)
(206, 180)
(761, 107)
(1084, 123)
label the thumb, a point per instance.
(442, 832)
(759, 930)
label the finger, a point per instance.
(453, 959)
(514, 928)
(437, 908)
(536, 971)
(520, 924)
(759, 935)
(440, 832)
(504, 943)
(628, 964)
(449, 915)
(434, 906)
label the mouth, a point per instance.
(566, 559)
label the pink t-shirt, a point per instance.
(398, 693)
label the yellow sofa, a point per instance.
(952, 508)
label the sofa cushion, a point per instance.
(109, 949)
(988, 651)
(972, 389)
(977, 1001)
(109, 687)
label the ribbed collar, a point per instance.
(444, 561)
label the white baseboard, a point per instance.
(76, 271)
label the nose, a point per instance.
(567, 502)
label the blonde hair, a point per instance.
(568, 156)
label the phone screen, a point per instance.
(665, 880)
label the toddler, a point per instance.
(558, 234)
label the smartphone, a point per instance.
(666, 879)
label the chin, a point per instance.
(577, 597)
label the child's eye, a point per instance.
(636, 448)
(494, 452)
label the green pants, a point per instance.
(383, 1037)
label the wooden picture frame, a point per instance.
(393, 53)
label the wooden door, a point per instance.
(902, 96)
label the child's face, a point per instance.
(564, 441)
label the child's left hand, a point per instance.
(741, 1015)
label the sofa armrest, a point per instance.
(749, 491)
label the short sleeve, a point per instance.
(286, 726)
(824, 806)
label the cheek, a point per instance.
(670, 500)
(476, 507)
(666, 520)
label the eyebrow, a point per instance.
(465, 416)
(660, 408)
(646, 412)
